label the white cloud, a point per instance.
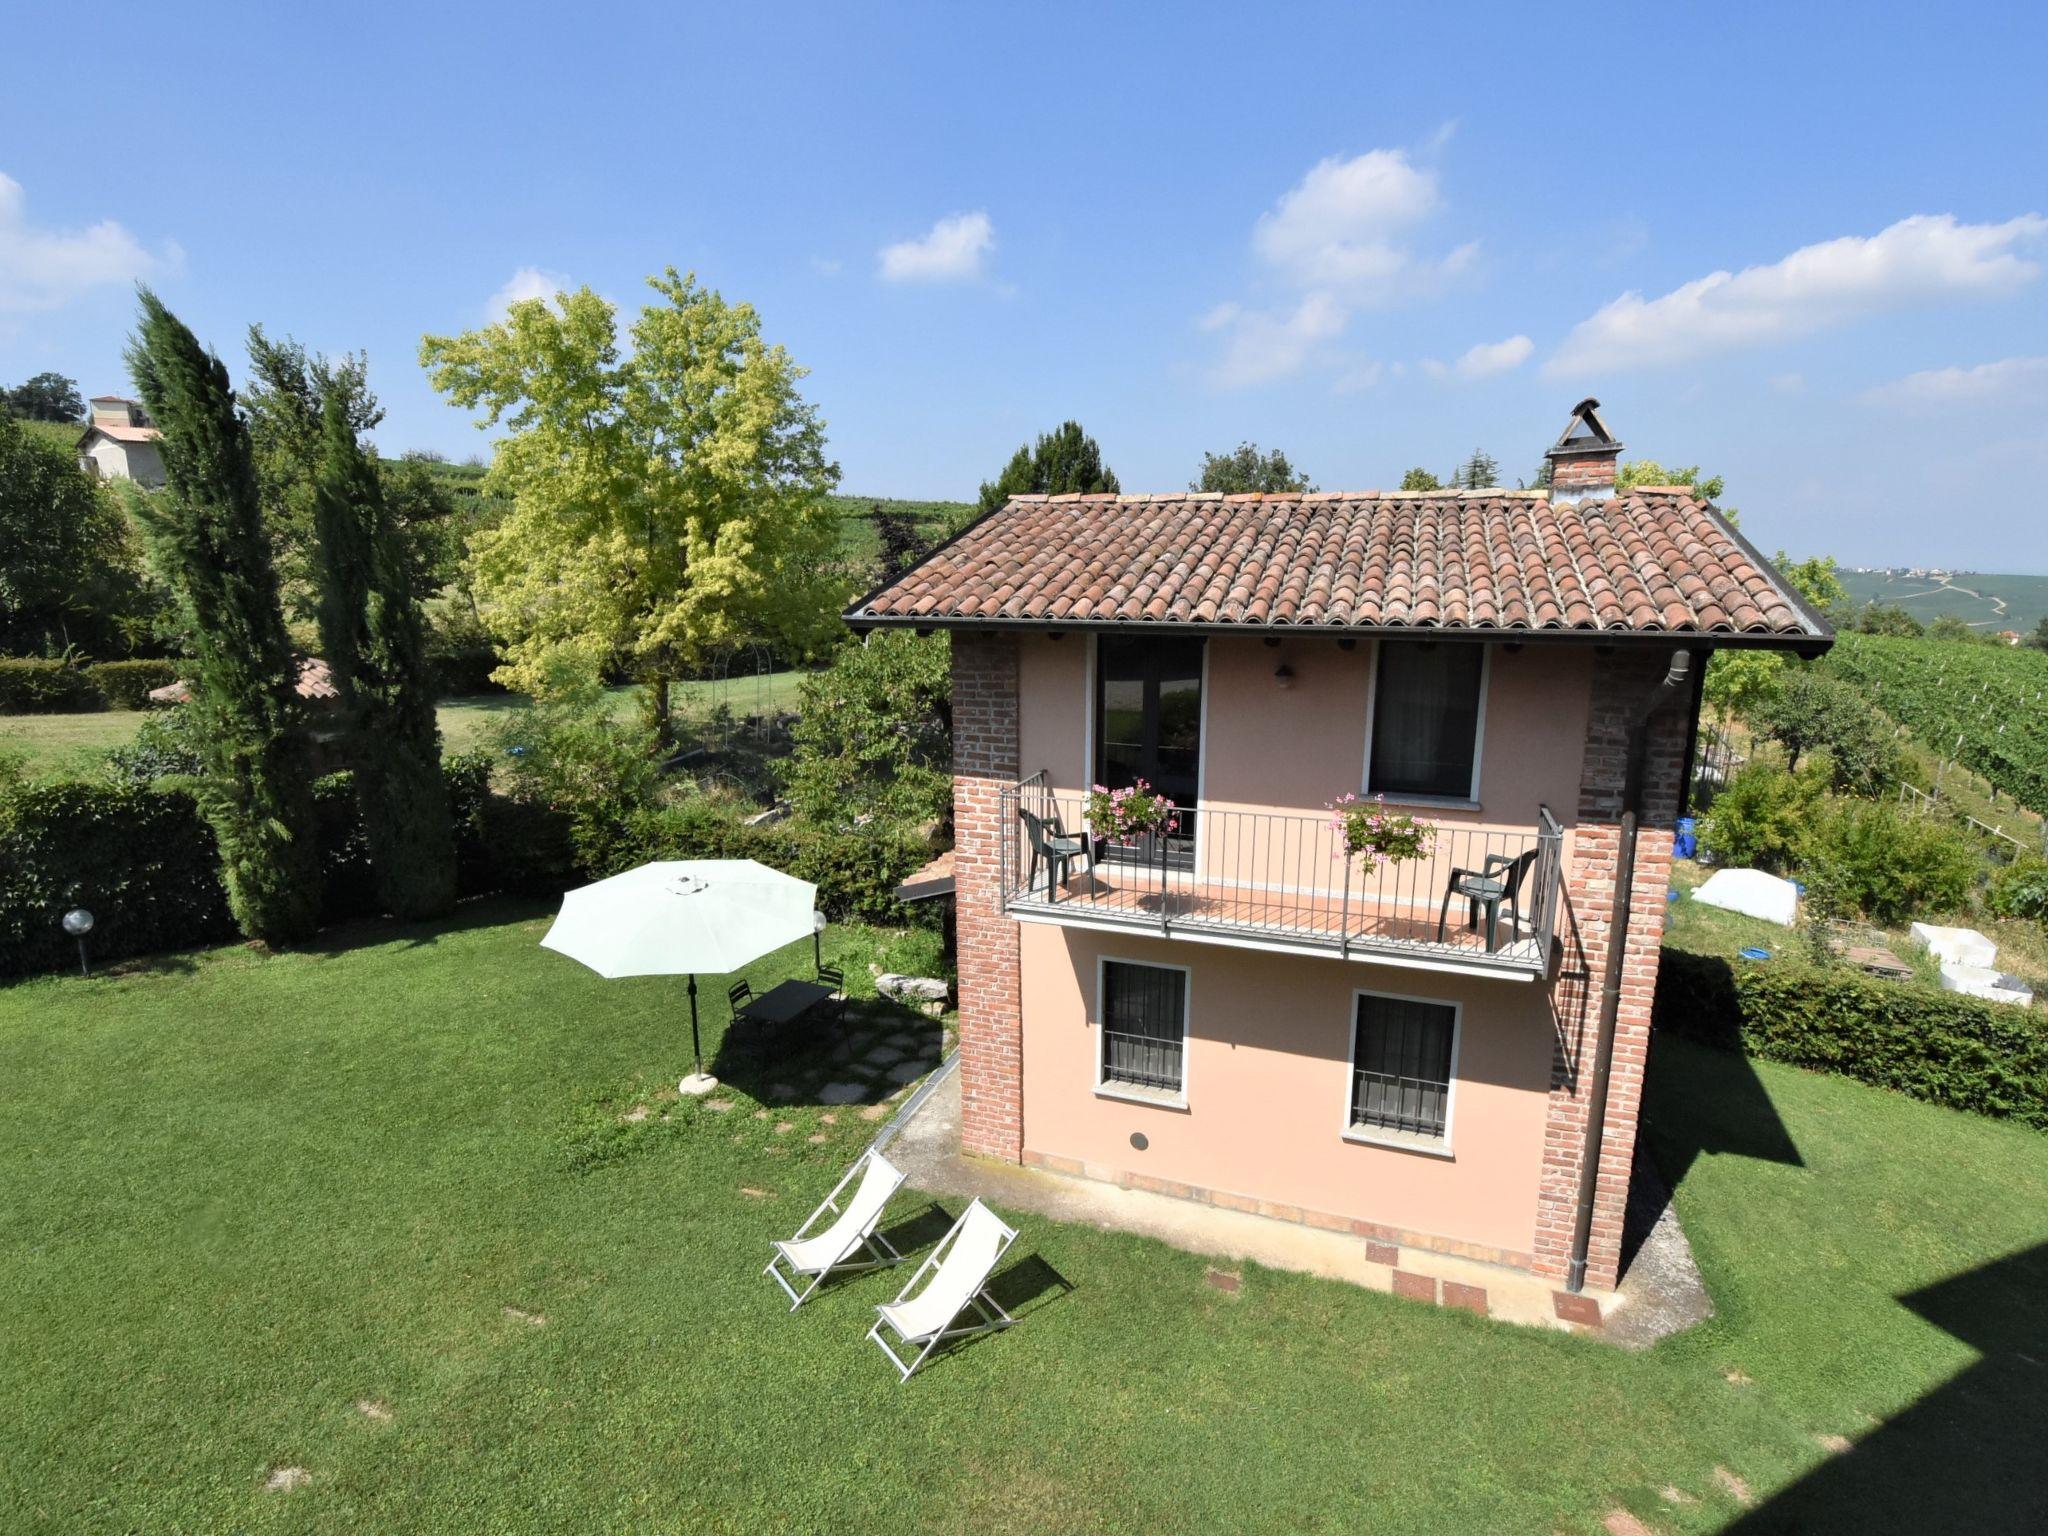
(953, 251)
(1343, 228)
(1925, 259)
(1485, 360)
(526, 283)
(1261, 345)
(42, 269)
(1338, 241)
(826, 266)
(1987, 382)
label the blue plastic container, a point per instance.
(1686, 843)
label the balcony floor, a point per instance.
(1314, 923)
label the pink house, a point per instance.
(1442, 1052)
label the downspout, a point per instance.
(1617, 954)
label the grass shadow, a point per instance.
(1967, 1456)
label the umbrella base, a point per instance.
(697, 1084)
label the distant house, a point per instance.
(2010, 637)
(120, 442)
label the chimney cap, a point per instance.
(1585, 435)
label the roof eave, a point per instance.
(1806, 644)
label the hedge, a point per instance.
(1990, 1058)
(144, 861)
(126, 684)
(32, 685)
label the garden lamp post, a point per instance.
(817, 941)
(78, 923)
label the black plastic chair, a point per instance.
(1496, 884)
(1053, 846)
(739, 995)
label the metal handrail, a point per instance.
(1287, 879)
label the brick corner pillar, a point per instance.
(1622, 684)
(991, 1016)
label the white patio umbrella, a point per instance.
(682, 918)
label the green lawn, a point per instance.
(240, 1195)
(73, 743)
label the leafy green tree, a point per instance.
(1764, 816)
(1947, 626)
(1476, 473)
(1889, 865)
(68, 571)
(1815, 580)
(1812, 711)
(206, 528)
(1639, 472)
(1419, 479)
(2039, 638)
(1877, 618)
(568, 752)
(375, 640)
(286, 404)
(1245, 469)
(899, 541)
(873, 732)
(46, 397)
(1064, 461)
(664, 504)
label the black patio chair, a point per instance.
(1056, 848)
(739, 995)
(1496, 884)
(832, 976)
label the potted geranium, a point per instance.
(1380, 835)
(1128, 817)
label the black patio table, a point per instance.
(786, 1003)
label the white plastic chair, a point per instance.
(819, 1254)
(960, 1268)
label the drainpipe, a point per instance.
(1617, 953)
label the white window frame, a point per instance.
(1468, 802)
(1372, 1137)
(1128, 1092)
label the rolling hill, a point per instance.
(1991, 602)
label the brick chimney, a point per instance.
(1584, 458)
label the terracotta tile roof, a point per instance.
(122, 433)
(1654, 560)
(316, 681)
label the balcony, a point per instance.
(1268, 880)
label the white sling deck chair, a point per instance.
(819, 1254)
(960, 1266)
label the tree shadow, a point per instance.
(1970, 1454)
(849, 1060)
(479, 912)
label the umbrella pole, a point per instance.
(699, 1082)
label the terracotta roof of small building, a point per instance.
(1653, 561)
(121, 433)
(316, 682)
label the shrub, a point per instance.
(871, 733)
(2020, 889)
(1989, 1058)
(33, 685)
(1889, 866)
(167, 745)
(1763, 816)
(127, 683)
(567, 753)
(141, 860)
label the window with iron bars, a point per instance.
(1401, 1066)
(1144, 1026)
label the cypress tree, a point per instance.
(374, 637)
(207, 533)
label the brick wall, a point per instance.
(1590, 472)
(1622, 681)
(991, 1021)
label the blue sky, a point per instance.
(1801, 245)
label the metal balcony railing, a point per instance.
(1285, 881)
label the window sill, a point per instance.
(1426, 802)
(1398, 1141)
(1129, 1093)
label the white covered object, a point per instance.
(1982, 981)
(1753, 893)
(1956, 946)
